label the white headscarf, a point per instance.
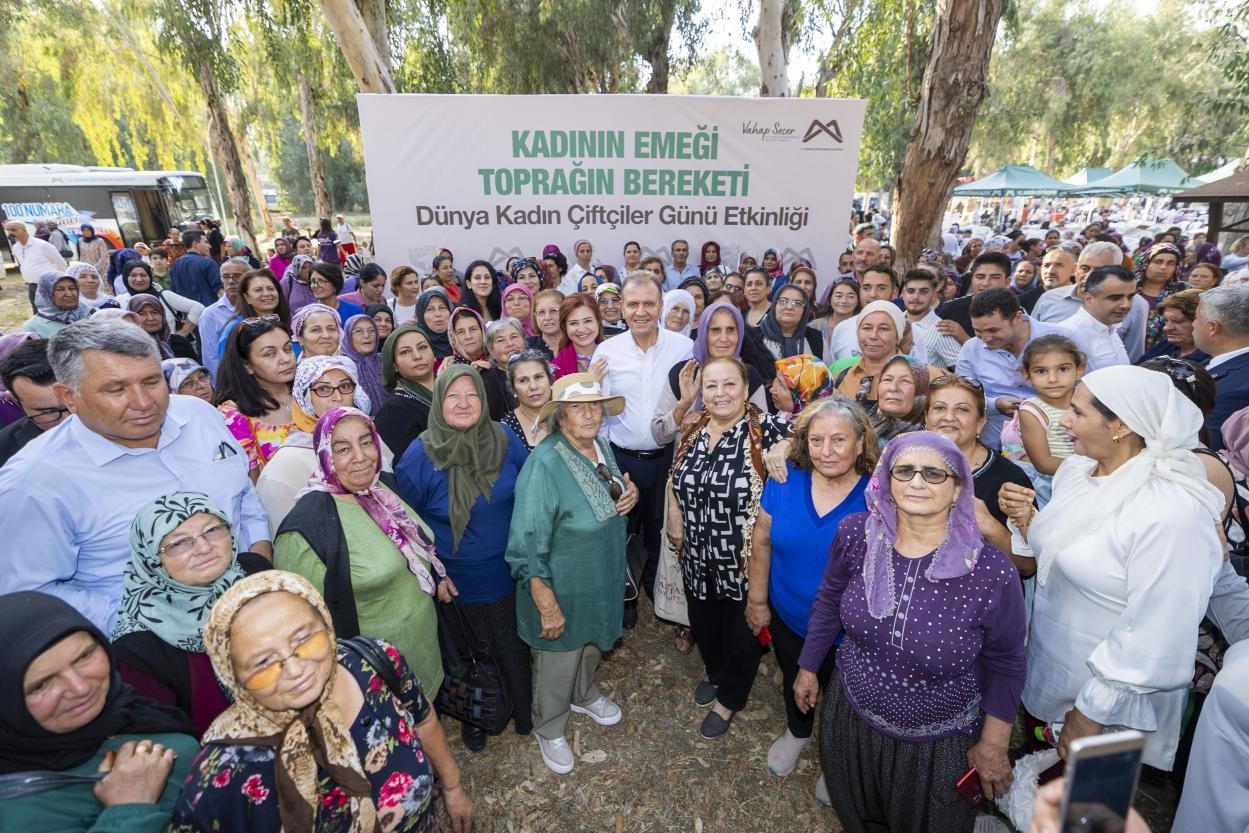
(1149, 404)
(674, 298)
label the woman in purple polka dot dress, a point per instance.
(931, 668)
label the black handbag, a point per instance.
(472, 686)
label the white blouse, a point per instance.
(1114, 628)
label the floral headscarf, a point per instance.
(142, 300)
(306, 375)
(460, 312)
(958, 552)
(45, 307)
(382, 506)
(178, 371)
(370, 366)
(305, 312)
(778, 270)
(318, 734)
(151, 599)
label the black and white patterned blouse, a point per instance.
(718, 504)
(512, 421)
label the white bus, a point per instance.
(122, 204)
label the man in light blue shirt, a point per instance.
(680, 268)
(216, 315)
(993, 355)
(70, 496)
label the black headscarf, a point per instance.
(152, 288)
(441, 342)
(31, 623)
(796, 344)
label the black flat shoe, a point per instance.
(714, 725)
(474, 738)
(630, 615)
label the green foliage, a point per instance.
(344, 172)
(723, 72)
(1092, 83)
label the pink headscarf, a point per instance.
(527, 323)
(382, 506)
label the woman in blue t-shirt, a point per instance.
(832, 451)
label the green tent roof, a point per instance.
(1146, 176)
(1013, 181)
(1087, 176)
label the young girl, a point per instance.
(1053, 365)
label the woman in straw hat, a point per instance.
(566, 549)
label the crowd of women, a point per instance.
(433, 457)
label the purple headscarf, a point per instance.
(10, 411)
(141, 300)
(1208, 253)
(370, 366)
(382, 506)
(958, 552)
(701, 354)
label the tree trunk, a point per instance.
(316, 172)
(964, 32)
(773, 45)
(356, 40)
(228, 152)
(253, 181)
(374, 14)
(656, 53)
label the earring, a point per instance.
(1115, 439)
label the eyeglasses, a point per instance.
(614, 487)
(46, 416)
(931, 474)
(261, 319)
(318, 282)
(946, 378)
(183, 546)
(346, 388)
(794, 303)
(734, 289)
(311, 647)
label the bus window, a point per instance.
(190, 198)
(127, 216)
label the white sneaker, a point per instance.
(821, 791)
(602, 711)
(556, 754)
(784, 752)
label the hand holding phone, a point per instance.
(1102, 773)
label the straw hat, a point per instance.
(580, 387)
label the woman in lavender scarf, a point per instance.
(931, 669)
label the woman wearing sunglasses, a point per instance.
(569, 531)
(317, 738)
(931, 667)
(183, 556)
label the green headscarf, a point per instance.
(472, 458)
(390, 377)
(151, 599)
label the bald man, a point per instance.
(1065, 301)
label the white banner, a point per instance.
(492, 177)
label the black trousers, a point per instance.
(788, 647)
(729, 650)
(31, 290)
(647, 518)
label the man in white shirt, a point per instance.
(1221, 329)
(346, 235)
(34, 257)
(638, 362)
(680, 268)
(1108, 294)
(71, 494)
(919, 298)
(1059, 304)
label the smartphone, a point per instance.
(969, 787)
(1102, 773)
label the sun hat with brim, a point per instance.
(580, 387)
(605, 288)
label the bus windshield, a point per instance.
(190, 198)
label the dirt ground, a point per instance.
(14, 308)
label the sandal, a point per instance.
(684, 640)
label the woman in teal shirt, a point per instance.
(66, 716)
(831, 453)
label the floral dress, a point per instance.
(260, 440)
(233, 788)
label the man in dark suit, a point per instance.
(1222, 330)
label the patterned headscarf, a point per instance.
(305, 312)
(306, 375)
(151, 599)
(296, 266)
(45, 307)
(370, 366)
(1154, 251)
(316, 735)
(382, 506)
(141, 300)
(956, 555)
(178, 371)
(776, 271)
(526, 323)
(530, 263)
(460, 312)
